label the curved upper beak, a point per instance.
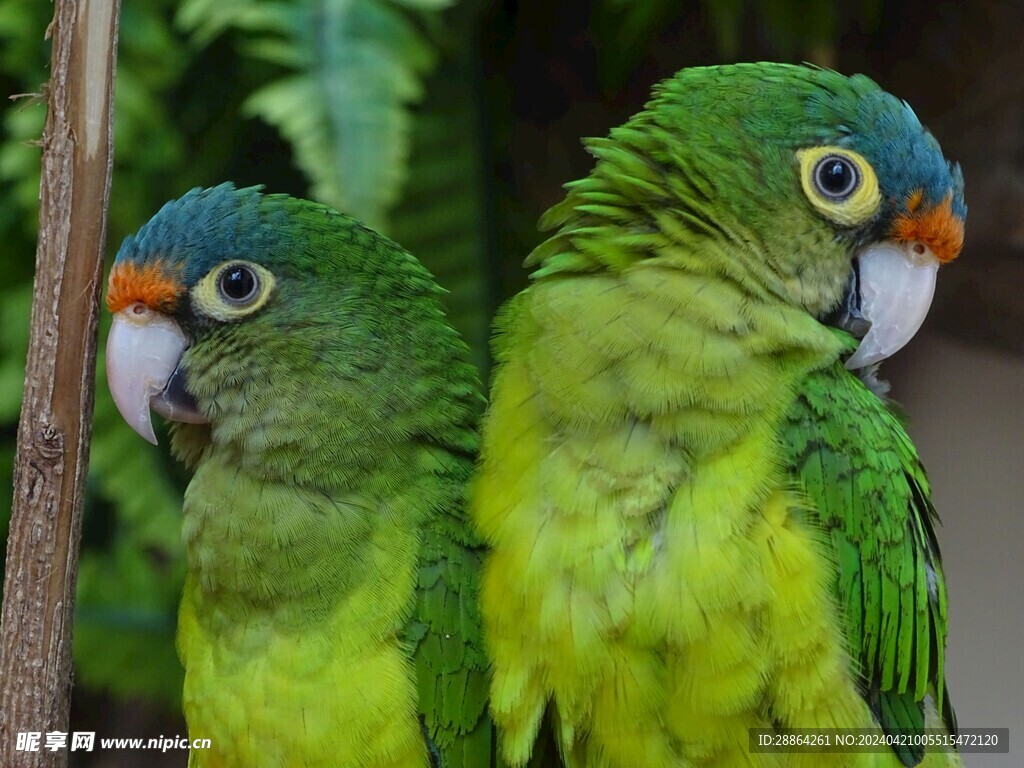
(890, 294)
(144, 352)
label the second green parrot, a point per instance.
(327, 411)
(704, 517)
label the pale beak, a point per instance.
(144, 350)
(894, 285)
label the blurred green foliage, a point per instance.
(352, 70)
(399, 112)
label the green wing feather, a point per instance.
(868, 491)
(451, 664)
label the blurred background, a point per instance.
(451, 126)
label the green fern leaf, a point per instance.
(358, 66)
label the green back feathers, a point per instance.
(869, 493)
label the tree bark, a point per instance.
(56, 414)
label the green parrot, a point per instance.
(703, 515)
(327, 412)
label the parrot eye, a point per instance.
(836, 177)
(840, 184)
(233, 290)
(238, 284)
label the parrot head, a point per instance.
(838, 199)
(878, 181)
(278, 325)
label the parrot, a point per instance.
(704, 518)
(328, 414)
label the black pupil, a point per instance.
(238, 283)
(836, 177)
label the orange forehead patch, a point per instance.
(155, 284)
(936, 227)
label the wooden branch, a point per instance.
(56, 412)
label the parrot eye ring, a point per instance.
(232, 290)
(840, 184)
(836, 177)
(238, 284)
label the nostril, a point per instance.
(138, 308)
(919, 249)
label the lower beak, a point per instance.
(144, 370)
(889, 296)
